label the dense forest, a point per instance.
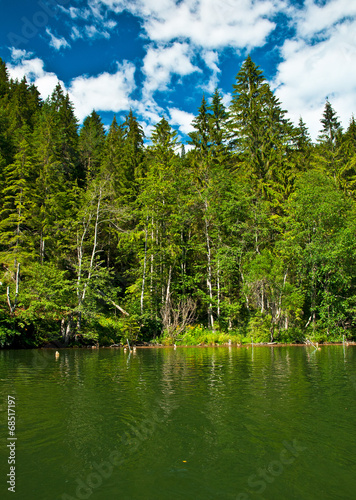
(105, 236)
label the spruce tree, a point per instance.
(328, 152)
(331, 130)
(112, 164)
(4, 80)
(218, 130)
(91, 144)
(260, 131)
(133, 150)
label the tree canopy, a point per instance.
(107, 235)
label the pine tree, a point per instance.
(68, 130)
(261, 133)
(91, 144)
(16, 224)
(250, 96)
(200, 137)
(25, 104)
(328, 152)
(133, 150)
(218, 131)
(4, 80)
(54, 141)
(112, 159)
(330, 133)
(202, 160)
(347, 171)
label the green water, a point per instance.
(191, 423)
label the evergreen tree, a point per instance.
(54, 141)
(4, 80)
(330, 133)
(262, 135)
(328, 153)
(17, 195)
(91, 144)
(133, 150)
(200, 137)
(219, 136)
(347, 172)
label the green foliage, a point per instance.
(249, 236)
(108, 330)
(199, 335)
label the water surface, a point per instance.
(191, 423)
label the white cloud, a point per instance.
(57, 43)
(89, 31)
(18, 54)
(34, 71)
(226, 99)
(75, 33)
(208, 23)
(182, 119)
(93, 32)
(314, 18)
(104, 92)
(184, 36)
(96, 23)
(161, 63)
(76, 13)
(326, 68)
(204, 23)
(181, 33)
(149, 110)
(211, 58)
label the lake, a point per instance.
(192, 423)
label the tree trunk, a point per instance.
(66, 329)
(144, 270)
(17, 281)
(208, 278)
(81, 294)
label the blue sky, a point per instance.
(158, 57)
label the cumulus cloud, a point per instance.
(211, 59)
(161, 63)
(104, 92)
(315, 18)
(57, 42)
(203, 23)
(182, 119)
(211, 23)
(312, 71)
(189, 36)
(18, 54)
(33, 70)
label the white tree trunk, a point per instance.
(209, 273)
(144, 270)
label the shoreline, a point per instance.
(195, 346)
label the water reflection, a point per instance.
(187, 423)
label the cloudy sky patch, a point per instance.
(158, 57)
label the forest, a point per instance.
(246, 235)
